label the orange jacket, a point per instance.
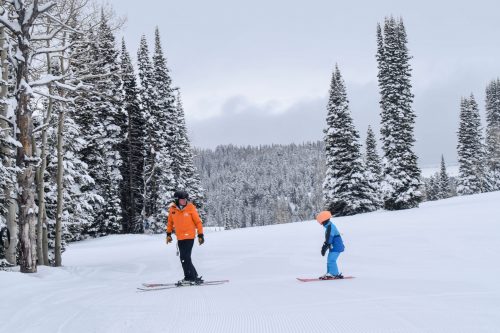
(185, 222)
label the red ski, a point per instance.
(311, 280)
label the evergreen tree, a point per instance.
(444, 181)
(346, 189)
(147, 99)
(101, 119)
(164, 113)
(84, 61)
(401, 175)
(493, 133)
(133, 170)
(157, 107)
(373, 163)
(471, 178)
(182, 157)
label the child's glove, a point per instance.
(201, 239)
(169, 238)
(324, 248)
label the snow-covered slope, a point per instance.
(432, 269)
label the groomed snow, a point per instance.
(432, 269)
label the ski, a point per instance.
(312, 280)
(162, 286)
(154, 285)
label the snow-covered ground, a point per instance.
(432, 269)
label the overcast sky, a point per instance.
(258, 72)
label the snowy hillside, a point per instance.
(432, 269)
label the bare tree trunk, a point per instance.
(10, 253)
(26, 179)
(60, 168)
(42, 217)
(60, 173)
(45, 241)
(24, 161)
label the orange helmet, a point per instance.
(323, 216)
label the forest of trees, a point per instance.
(87, 146)
(253, 186)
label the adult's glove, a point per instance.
(169, 238)
(324, 248)
(201, 239)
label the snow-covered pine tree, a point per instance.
(470, 148)
(401, 174)
(112, 121)
(163, 128)
(346, 190)
(133, 173)
(147, 98)
(373, 163)
(101, 118)
(84, 60)
(493, 134)
(182, 156)
(444, 181)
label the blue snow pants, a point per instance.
(331, 263)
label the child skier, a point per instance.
(333, 243)
(184, 219)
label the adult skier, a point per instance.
(333, 243)
(184, 221)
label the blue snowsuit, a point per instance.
(336, 246)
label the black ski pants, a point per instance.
(185, 249)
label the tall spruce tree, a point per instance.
(112, 119)
(165, 128)
(444, 181)
(470, 148)
(372, 160)
(133, 173)
(493, 134)
(84, 61)
(401, 174)
(346, 190)
(147, 99)
(101, 119)
(182, 156)
(155, 103)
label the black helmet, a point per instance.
(181, 195)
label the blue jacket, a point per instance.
(332, 237)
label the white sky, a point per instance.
(257, 72)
